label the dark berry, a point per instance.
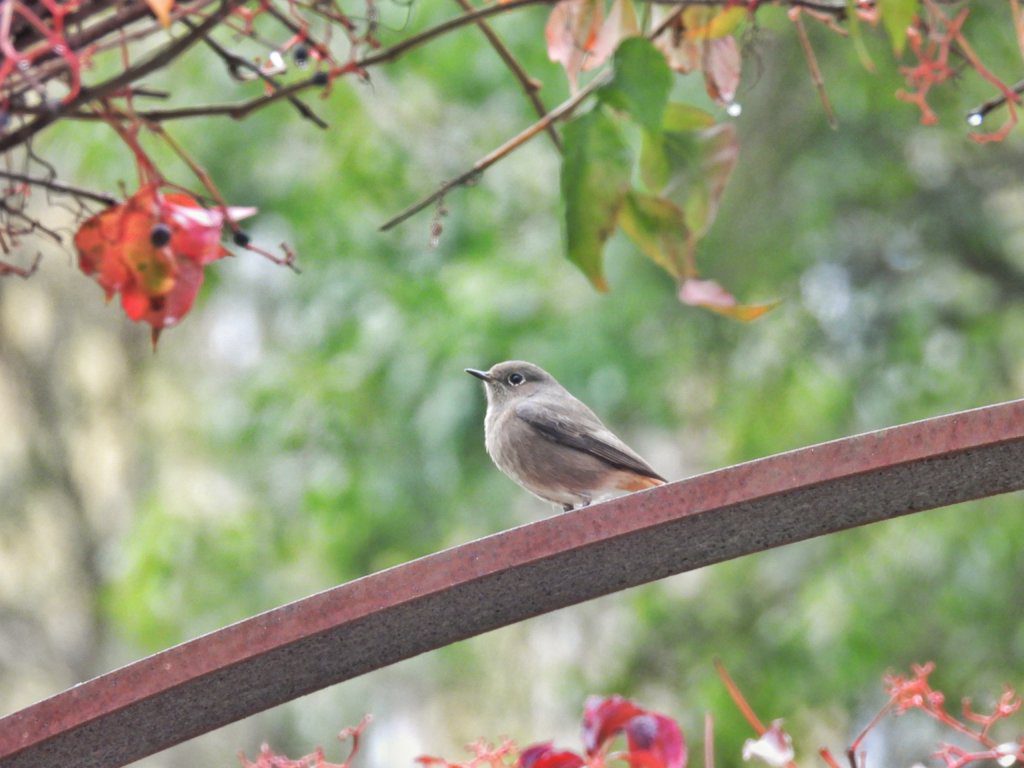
(301, 55)
(241, 238)
(160, 235)
(320, 78)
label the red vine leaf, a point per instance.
(572, 33)
(620, 24)
(721, 64)
(152, 249)
(546, 756)
(604, 718)
(711, 295)
(655, 740)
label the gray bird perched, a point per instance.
(552, 444)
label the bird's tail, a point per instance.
(630, 481)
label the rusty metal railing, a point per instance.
(377, 620)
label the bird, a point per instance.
(552, 444)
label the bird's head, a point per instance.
(513, 380)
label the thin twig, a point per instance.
(565, 109)
(389, 54)
(237, 62)
(530, 85)
(739, 699)
(23, 272)
(994, 103)
(812, 66)
(57, 186)
(33, 224)
(148, 65)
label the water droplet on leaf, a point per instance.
(733, 109)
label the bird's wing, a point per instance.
(554, 422)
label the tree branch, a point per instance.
(994, 103)
(57, 186)
(565, 109)
(237, 62)
(529, 84)
(154, 62)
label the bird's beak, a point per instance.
(482, 375)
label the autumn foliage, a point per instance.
(152, 249)
(618, 732)
(634, 159)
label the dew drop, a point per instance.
(733, 109)
(974, 119)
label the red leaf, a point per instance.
(545, 756)
(710, 295)
(722, 68)
(620, 24)
(167, 309)
(571, 34)
(604, 718)
(151, 249)
(656, 741)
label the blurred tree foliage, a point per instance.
(324, 429)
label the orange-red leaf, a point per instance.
(152, 249)
(620, 24)
(572, 32)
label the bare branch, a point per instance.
(152, 63)
(812, 66)
(529, 84)
(237, 62)
(994, 103)
(565, 109)
(57, 186)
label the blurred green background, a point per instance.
(299, 431)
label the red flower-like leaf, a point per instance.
(653, 740)
(603, 719)
(152, 249)
(546, 756)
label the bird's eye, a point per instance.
(515, 379)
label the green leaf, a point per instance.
(674, 146)
(641, 81)
(686, 117)
(700, 172)
(596, 167)
(691, 169)
(897, 15)
(658, 228)
(858, 37)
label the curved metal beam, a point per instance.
(377, 620)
